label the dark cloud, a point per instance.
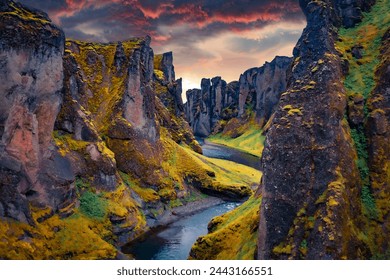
(278, 37)
(48, 5)
(141, 17)
(208, 37)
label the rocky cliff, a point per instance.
(318, 191)
(32, 171)
(258, 90)
(325, 187)
(94, 147)
(169, 92)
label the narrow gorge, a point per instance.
(98, 149)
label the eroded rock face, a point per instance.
(350, 11)
(110, 109)
(206, 106)
(257, 90)
(169, 104)
(31, 71)
(311, 204)
(378, 130)
(261, 87)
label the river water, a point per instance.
(223, 152)
(174, 241)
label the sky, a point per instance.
(208, 38)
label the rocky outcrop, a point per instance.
(94, 147)
(378, 132)
(206, 106)
(311, 189)
(258, 90)
(350, 11)
(110, 109)
(31, 169)
(171, 111)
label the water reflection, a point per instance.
(219, 151)
(175, 241)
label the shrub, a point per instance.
(92, 205)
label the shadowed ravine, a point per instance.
(174, 241)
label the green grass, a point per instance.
(368, 34)
(361, 80)
(233, 235)
(251, 142)
(93, 206)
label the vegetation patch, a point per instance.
(232, 236)
(93, 205)
(251, 141)
(360, 80)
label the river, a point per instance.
(223, 152)
(174, 242)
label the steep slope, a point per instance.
(232, 236)
(325, 186)
(31, 72)
(94, 146)
(365, 47)
(170, 103)
(312, 189)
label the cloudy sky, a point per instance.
(208, 37)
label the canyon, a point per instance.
(97, 147)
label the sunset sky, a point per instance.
(208, 37)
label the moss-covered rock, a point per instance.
(232, 236)
(311, 186)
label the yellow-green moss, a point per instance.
(66, 143)
(105, 86)
(159, 74)
(361, 80)
(250, 141)
(79, 236)
(292, 111)
(147, 194)
(25, 15)
(157, 61)
(233, 235)
(181, 162)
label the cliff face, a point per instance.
(378, 132)
(94, 147)
(316, 196)
(110, 102)
(170, 103)
(31, 73)
(261, 87)
(206, 106)
(258, 90)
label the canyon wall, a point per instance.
(258, 90)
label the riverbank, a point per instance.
(174, 242)
(251, 141)
(221, 151)
(172, 215)
(176, 226)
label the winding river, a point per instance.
(223, 152)
(174, 241)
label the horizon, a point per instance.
(207, 38)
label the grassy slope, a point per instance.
(232, 236)
(251, 141)
(87, 234)
(225, 175)
(360, 81)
